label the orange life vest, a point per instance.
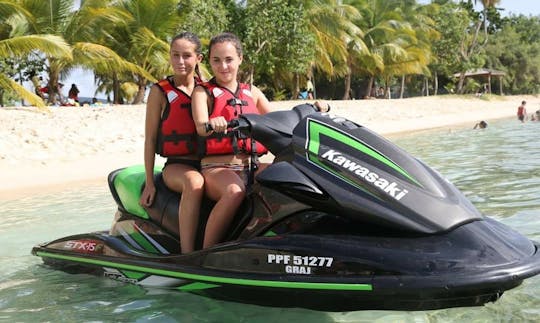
(229, 105)
(177, 135)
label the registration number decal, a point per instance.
(299, 264)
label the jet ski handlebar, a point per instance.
(274, 129)
(243, 124)
(233, 124)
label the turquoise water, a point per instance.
(497, 168)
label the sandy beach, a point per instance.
(41, 151)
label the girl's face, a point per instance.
(183, 57)
(225, 61)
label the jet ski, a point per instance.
(341, 220)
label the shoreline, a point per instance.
(44, 152)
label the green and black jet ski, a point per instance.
(341, 220)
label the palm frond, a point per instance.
(7, 83)
(23, 45)
(8, 8)
(104, 60)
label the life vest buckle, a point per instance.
(236, 101)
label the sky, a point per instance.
(85, 79)
(525, 7)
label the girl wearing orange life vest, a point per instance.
(214, 103)
(170, 131)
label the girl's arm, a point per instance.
(262, 103)
(153, 117)
(199, 108)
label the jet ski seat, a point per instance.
(164, 212)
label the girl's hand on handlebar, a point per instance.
(218, 124)
(322, 106)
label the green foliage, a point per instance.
(276, 39)
(472, 86)
(140, 44)
(515, 49)
(450, 88)
(450, 21)
(279, 95)
(202, 17)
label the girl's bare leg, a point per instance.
(188, 181)
(226, 188)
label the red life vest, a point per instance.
(229, 105)
(177, 135)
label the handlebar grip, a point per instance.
(231, 124)
(322, 107)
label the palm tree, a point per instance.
(418, 47)
(355, 45)
(80, 28)
(143, 39)
(331, 22)
(15, 44)
(385, 35)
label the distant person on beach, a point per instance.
(36, 82)
(225, 165)
(481, 125)
(170, 132)
(310, 89)
(60, 97)
(535, 116)
(43, 89)
(522, 112)
(73, 93)
(380, 93)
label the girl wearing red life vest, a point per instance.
(214, 103)
(170, 131)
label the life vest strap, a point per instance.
(236, 101)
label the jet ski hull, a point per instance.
(322, 272)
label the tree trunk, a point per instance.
(460, 83)
(346, 94)
(296, 90)
(251, 74)
(387, 94)
(139, 97)
(314, 86)
(436, 85)
(370, 87)
(426, 82)
(402, 87)
(52, 89)
(116, 90)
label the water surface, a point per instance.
(497, 168)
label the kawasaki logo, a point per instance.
(390, 188)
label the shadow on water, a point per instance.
(496, 168)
